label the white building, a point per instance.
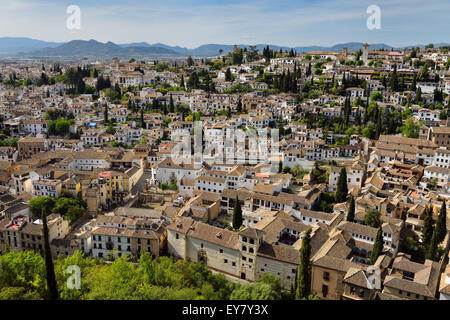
(46, 188)
(89, 160)
(442, 158)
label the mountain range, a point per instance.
(26, 47)
(11, 46)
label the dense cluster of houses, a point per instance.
(143, 195)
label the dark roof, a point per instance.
(279, 252)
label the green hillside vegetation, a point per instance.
(22, 277)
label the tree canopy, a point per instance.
(22, 276)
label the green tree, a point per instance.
(341, 187)
(304, 269)
(182, 81)
(41, 203)
(441, 224)
(428, 227)
(190, 61)
(432, 252)
(393, 82)
(50, 270)
(268, 287)
(239, 106)
(372, 218)
(237, 214)
(105, 113)
(142, 118)
(410, 129)
(228, 75)
(351, 210)
(377, 246)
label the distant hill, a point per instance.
(92, 48)
(11, 46)
(213, 49)
(32, 47)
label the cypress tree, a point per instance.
(280, 167)
(106, 113)
(347, 111)
(428, 228)
(304, 269)
(377, 246)
(366, 110)
(142, 117)
(294, 291)
(341, 188)
(228, 75)
(351, 210)
(433, 248)
(441, 224)
(182, 81)
(51, 278)
(239, 106)
(171, 105)
(393, 82)
(308, 71)
(237, 214)
(378, 126)
(414, 83)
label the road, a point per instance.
(140, 185)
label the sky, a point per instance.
(192, 23)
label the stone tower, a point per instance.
(365, 53)
(345, 52)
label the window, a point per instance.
(361, 293)
(221, 250)
(177, 236)
(326, 276)
(244, 248)
(225, 260)
(201, 245)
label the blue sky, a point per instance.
(192, 23)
